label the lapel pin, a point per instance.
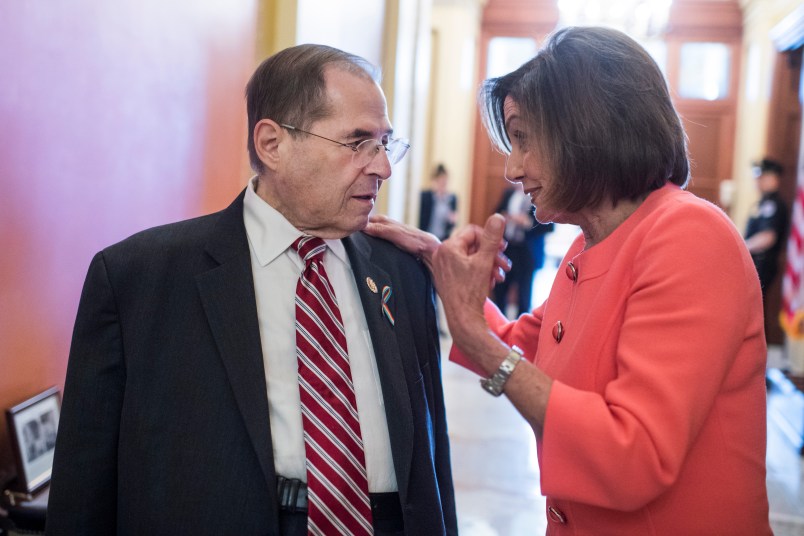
(386, 297)
(371, 285)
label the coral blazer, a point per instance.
(656, 421)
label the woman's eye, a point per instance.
(520, 138)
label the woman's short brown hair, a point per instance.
(600, 113)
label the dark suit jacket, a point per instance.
(426, 202)
(164, 426)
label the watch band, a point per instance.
(494, 385)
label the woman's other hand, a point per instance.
(464, 268)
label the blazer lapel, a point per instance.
(227, 293)
(386, 351)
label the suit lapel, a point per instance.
(386, 351)
(227, 292)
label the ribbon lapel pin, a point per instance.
(386, 297)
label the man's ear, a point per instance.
(267, 137)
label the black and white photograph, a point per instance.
(32, 426)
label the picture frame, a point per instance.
(32, 427)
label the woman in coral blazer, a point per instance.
(643, 372)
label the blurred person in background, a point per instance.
(438, 206)
(525, 237)
(766, 229)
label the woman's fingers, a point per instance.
(405, 237)
(502, 265)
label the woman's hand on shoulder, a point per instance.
(424, 245)
(418, 243)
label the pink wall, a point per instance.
(114, 116)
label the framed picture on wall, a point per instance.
(32, 426)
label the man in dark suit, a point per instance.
(181, 411)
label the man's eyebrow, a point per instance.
(360, 133)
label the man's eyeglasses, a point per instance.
(365, 151)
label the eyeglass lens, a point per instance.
(368, 149)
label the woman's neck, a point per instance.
(600, 222)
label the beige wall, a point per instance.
(407, 85)
(456, 26)
(760, 16)
(276, 26)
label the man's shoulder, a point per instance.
(184, 232)
(383, 249)
(384, 254)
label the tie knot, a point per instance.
(309, 248)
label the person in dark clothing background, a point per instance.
(525, 237)
(437, 206)
(767, 226)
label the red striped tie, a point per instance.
(338, 500)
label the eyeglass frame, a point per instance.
(354, 146)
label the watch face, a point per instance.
(491, 386)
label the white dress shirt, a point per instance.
(277, 268)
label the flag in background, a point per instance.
(792, 314)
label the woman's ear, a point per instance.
(267, 137)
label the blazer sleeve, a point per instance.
(442, 459)
(83, 491)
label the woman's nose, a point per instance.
(513, 168)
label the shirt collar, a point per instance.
(270, 233)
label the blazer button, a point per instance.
(558, 331)
(557, 515)
(571, 271)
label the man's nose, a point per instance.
(380, 165)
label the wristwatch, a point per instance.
(494, 385)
